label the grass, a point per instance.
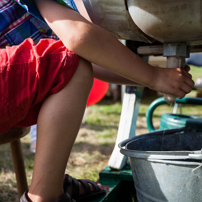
(93, 146)
(195, 72)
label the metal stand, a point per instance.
(117, 175)
(127, 126)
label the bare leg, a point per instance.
(58, 124)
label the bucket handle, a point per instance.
(162, 156)
(198, 171)
(197, 155)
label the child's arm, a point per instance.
(98, 46)
(111, 77)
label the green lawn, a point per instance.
(195, 72)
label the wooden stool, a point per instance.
(13, 136)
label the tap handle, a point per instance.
(173, 62)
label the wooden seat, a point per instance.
(13, 137)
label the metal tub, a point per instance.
(147, 21)
(166, 165)
(113, 16)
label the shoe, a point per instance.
(64, 198)
(68, 181)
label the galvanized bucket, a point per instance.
(166, 165)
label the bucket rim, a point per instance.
(169, 155)
(173, 162)
(163, 155)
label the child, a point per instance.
(55, 83)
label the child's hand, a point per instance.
(174, 81)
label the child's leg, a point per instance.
(58, 124)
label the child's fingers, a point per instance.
(186, 73)
(186, 68)
(184, 83)
(186, 88)
(183, 90)
(190, 83)
(188, 79)
(181, 93)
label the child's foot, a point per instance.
(64, 198)
(83, 190)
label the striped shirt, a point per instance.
(20, 19)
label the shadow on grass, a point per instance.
(99, 127)
(105, 149)
(8, 185)
(8, 193)
(107, 101)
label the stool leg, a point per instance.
(19, 167)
